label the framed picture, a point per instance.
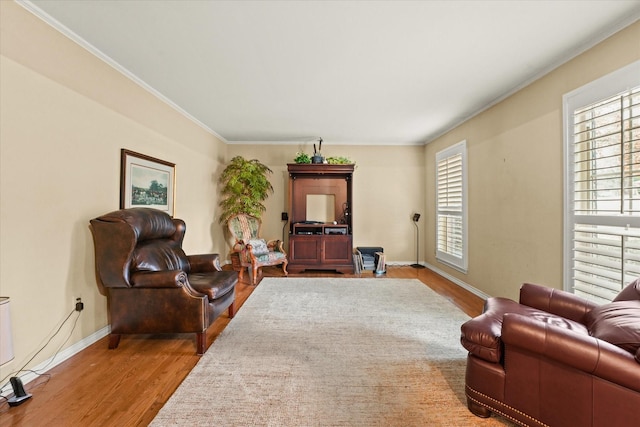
(146, 182)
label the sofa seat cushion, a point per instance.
(617, 323)
(481, 335)
(214, 284)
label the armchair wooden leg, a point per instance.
(114, 340)
(255, 276)
(232, 310)
(284, 268)
(201, 342)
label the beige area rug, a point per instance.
(332, 352)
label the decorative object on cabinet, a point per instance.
(302, 157)
(245, 185)
(320, 234)
(339, 160)
(146, 182)
(250, 250)
(317, 155)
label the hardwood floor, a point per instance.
(129, 385)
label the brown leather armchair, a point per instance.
(555, 359)
(151, 285)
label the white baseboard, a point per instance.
(457, 281)
(59, 358)
(447, 276)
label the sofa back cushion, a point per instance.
(630, 292)
(617, 323)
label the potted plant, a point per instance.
(245, 185)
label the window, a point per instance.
(451, 206)
(602, 195)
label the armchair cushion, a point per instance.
(159, 255)
(617, 323)
(270, 257)
(213, 284)
(259, 246)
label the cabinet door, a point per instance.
(304, 249)
(337, 249)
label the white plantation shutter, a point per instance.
(451, 206)
(603, 156)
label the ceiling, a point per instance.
(351, 72)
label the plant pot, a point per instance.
(317, 159)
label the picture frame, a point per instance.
(147, 182)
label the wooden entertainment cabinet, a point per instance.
(324, 243)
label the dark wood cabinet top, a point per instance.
(320, 168)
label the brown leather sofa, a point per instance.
(555, 359)
(151, 285)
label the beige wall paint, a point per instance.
(388, 187)
(515, 161)
(64, 117)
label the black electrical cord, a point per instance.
(75, 323)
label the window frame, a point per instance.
(621, 80)
(458, 263)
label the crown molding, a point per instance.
(57, 25)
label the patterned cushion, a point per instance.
(270, 257)
(244, 227)
(259, 247)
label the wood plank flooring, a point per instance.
(129, 385)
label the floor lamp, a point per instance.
(416, 217)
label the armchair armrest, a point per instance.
(159, 279)
(276, 245)
(555, 301)
(204, 263)
(573, 349)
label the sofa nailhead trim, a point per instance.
(504, 404)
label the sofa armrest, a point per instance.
(554, 301)
(573, 349)
(204, 263)
(159, 279)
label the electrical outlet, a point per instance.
(79, 304)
